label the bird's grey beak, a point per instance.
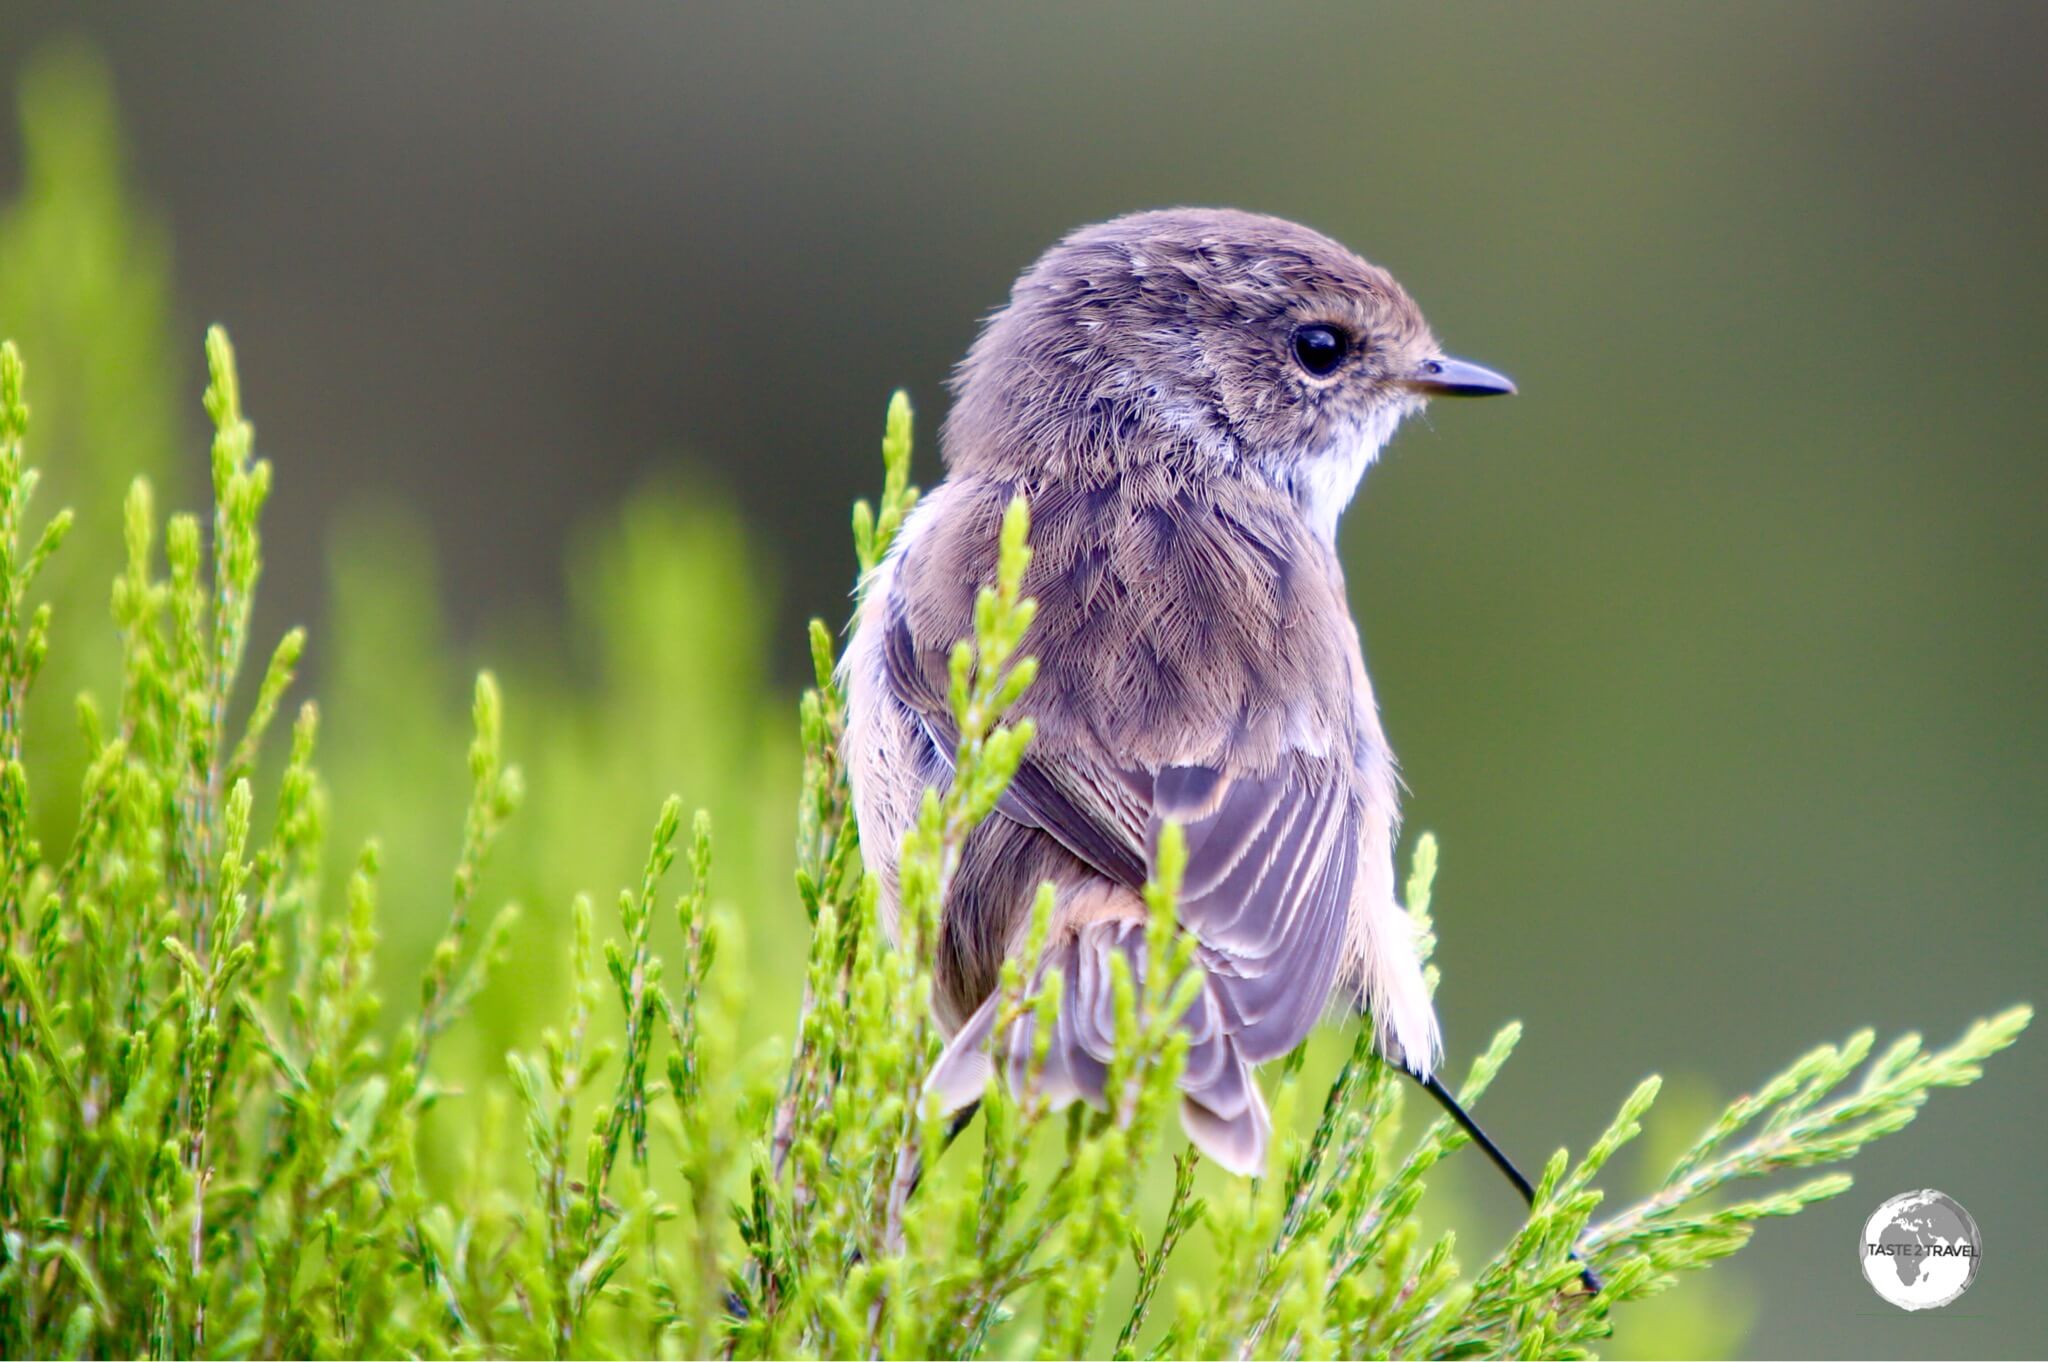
(1446, 377)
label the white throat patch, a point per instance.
(1326, 483)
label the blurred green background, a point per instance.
(1718, 659)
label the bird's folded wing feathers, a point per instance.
(1272, 860)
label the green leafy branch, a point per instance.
(212, 1140)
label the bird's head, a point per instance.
(1203, 342)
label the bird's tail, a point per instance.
(1221, 1105)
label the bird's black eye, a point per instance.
(1319, 349)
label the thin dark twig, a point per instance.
(1434, 1086)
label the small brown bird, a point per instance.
(1187, 399)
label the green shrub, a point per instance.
(219, 1139)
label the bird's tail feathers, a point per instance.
(1222, 1108)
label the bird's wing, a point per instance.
(1272, 861)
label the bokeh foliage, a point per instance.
(85, 283)
(225, 1135)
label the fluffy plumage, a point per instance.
(1197, 660)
